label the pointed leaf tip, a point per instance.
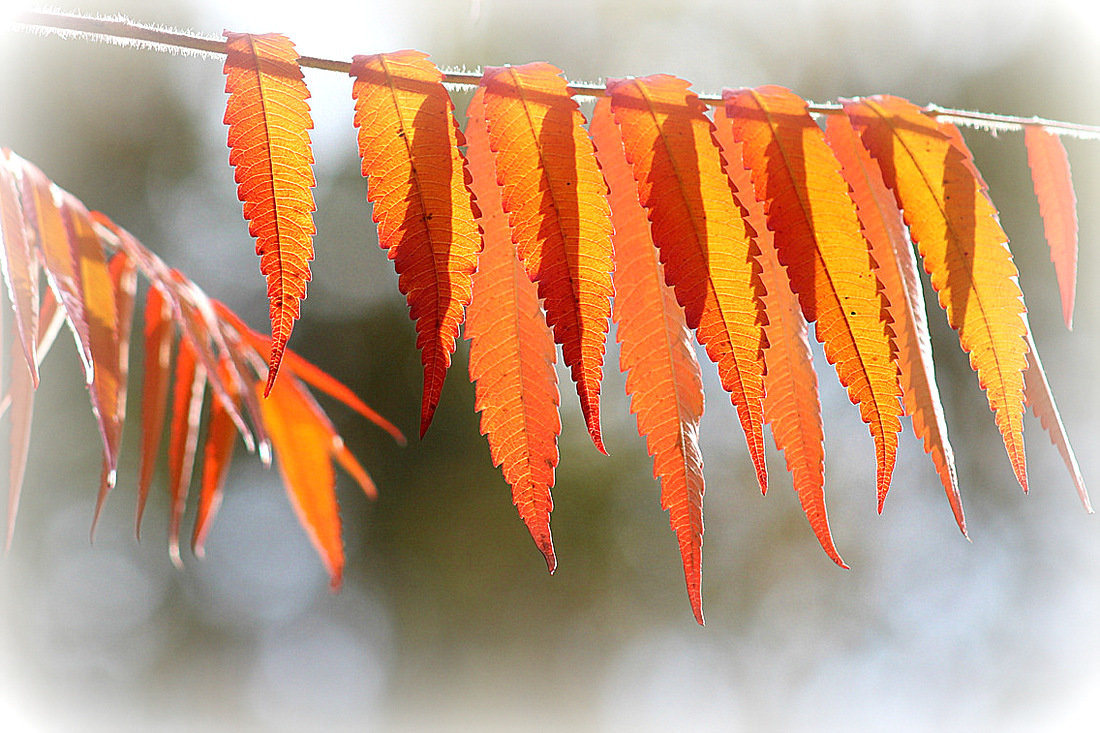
(511, 354)
(664, 381)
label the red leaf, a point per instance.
(269, 124)
(791, 404)
(554, 195)
(183, 437)
(511, 356)
(818, 239)
(705, 246)
(22, 409)
(221, 437)
(19, 265)
(154, 392)
(664, 382)
(891, 250)
(955, 226)
(1041, 399)
(1058, 206)
(408, 140)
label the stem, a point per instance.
(129, 33)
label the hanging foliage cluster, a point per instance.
(535, 226)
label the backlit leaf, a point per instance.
(187, 395)
(511, 356)
(705, 246)
(891, 250)
(154, 389)
(791, 403)
(417, 181)
(18, 264)
(1041, 400)
(303, 446)
(955, 226)
(269, 124)
(123, 274)
(818, 240)
(1058, 206)
(561, 226)
(217, 454)
(100, 315)
(655, 348)
(22, 410)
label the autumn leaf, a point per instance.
(269, 123)
(1039, 397)
(511, 355)
(22, 411)
(818, 240)
(707, 250)
(1046, 156)
(157, 333)
(18, 265)
(123, 274)
(791, 403)
(305, 443)
(664, 381)
(955, 226)
(892, 252)
(183, 440)
(217, 454)
(417, 181)
(554, 195)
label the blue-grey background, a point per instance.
(448, 619)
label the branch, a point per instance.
(127, 33)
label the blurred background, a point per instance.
(447, 619)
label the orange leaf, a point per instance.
(303, 450)
(891, 250)
(123, 276)
(705, 246)
(818, 239)
(154, 390)
(955, 226)
(221, 437)
(511, 355)
(417, 181)
(664, 381)
(1041, 399)
(269, 124)
(791, 404)
(100, 315)
(1058, 206)
(19, 265)
(554, 195)
(183, 437)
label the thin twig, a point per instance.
(116, 30)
